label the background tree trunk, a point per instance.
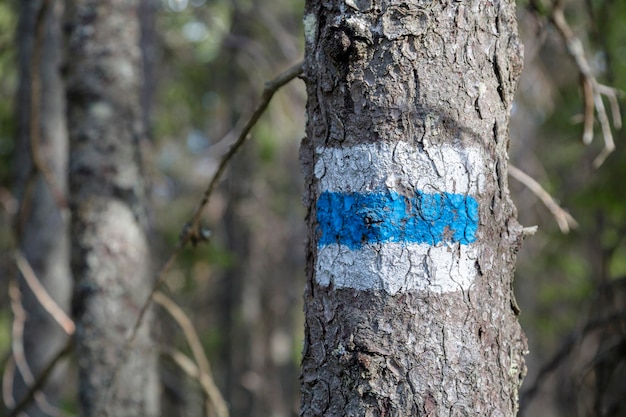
(42, 229)
(110, 251)
(409, 308)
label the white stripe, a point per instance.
(399, 267)
(400, 167)
(396, 268)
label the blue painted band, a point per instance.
(354, 219)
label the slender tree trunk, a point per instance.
(110, 252)
(41, 227)
(409, 308)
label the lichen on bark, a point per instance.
(110, 251)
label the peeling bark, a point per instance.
(110, 250)
(409, 307)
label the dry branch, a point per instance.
(17, 333)
(7, 383)
(592, 89)
(39, 162)
(41, 379)
(57, 313)
(8, 201)
(565, 221)
(189, 367)
(18, 362)
(202, 371)
(19, 358)
(193, 232)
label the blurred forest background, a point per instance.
(206, 62)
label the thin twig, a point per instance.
(57, 313)
(7, 383)
(35, 105)
(8, 201)
(19, 364)
(186, 326)
(612, 93)
(189, 367)
(35, 130)
(17, 332)
(17, 347)
(192, 231)
(204, 375)
(183, 361)
(41, 379)
(592, 89)
(565, 221)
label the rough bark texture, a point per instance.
(42, 230)
(405, 99)
(110, 251)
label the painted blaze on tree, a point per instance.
(413, 235)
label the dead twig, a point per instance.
(193, 232)
(592, 89)
(41, 379)
(189, 367)
(7, 383)
(203, 371)
(18, 366)
(8, 201)
(39, 162)
(17, 332)
(565, 221)
(183, 361)
(19, 355)
(57, 313)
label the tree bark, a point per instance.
(110, 252)
(42, 227)
(412, 234)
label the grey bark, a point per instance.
(110, 254)
(42, 227)
(425, 73)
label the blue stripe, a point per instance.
(354, 219)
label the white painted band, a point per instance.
(400, 167)
(397, 267)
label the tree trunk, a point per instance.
(41, 227)
(110, 252)
(409, 307)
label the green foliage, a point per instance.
(5, 332)
(8, 87)
(191, 39)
